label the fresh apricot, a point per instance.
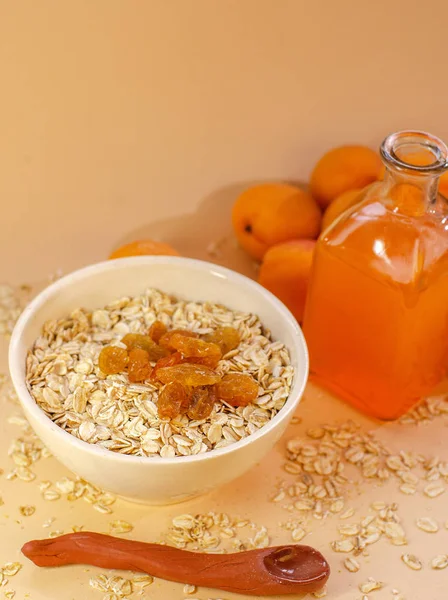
(342, 169)
(271, 213)
(144, 247)
(443, 185)
(340, 205)
(285, 272)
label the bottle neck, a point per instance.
(411, 194)
(414, 162)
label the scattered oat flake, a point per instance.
(407, 488)
(12, 568)
(189, 589)
(55, 534)
(440, 561)
(427, 524)
(101, 508)
(349, 530)
(351, 564)
(316, 433)
(321, 593)
(347, 513)
(9, 594)
(51, 495)
(279, 497)
(120, 526)
(412, 561)
(143, 580)
(27, 510)
(370, 586)
(336, 506)
(99, 582)
(298, 533)
(433, 490)
(394, 530)
(342, 546)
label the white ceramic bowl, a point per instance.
(156, 480)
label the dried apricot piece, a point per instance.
(227, 338)
(156, 331)
(165, 340)
(144, 342)
(195, 348)
(237, 389)
(202, 401)
(139, 368)
(172, 397)
(113, 359)
(188, 375)
(166, 361)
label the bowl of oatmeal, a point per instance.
(158, 378)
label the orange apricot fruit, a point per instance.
(271, 213)
(342, 169)
(143, 248)
(443, 185)
(339, 205)
(285, 272)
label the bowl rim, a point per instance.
(29, 404)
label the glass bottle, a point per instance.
(376, 318)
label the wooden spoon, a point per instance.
(265, 572)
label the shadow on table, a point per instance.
(204, 234)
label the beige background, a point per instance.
(118, 118)
(115, 114)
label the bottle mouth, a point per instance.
(416, 152)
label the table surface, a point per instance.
(249, 497)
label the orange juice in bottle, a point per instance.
(376, 318)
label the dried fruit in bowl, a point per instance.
(112, 360)
(237, 389)
(144, 342)
(188, 375)
(139, 367)
(227, 338)
(171, 399)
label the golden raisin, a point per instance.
(167, 361)
(113, 359)
(202, 401)
(156, 331)
(195, 348)
(144, 342)
(165, 340)
(188, 375)
(139, 368)
(186, 403)
(227, 338)
(171, 399)
(237, 389)
(207, 361)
